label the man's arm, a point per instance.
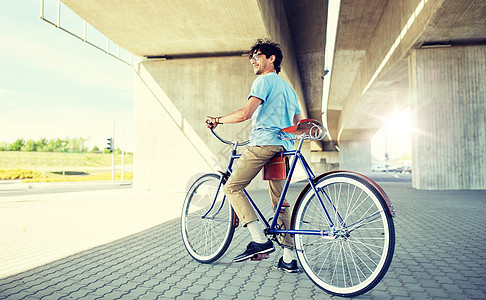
(238, 116)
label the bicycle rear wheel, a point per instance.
(207, 220)
(356, 255)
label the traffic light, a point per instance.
(110, 144)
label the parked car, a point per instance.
(404, 169)
(407, 169)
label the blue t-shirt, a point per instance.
(280, 105)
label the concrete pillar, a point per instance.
(355, 156)
(324, 161)
(448, 87)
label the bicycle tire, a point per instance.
(207, 221)
(356, 258)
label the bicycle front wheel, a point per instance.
(207, 220)
(351, 258)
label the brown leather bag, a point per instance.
(276, 168)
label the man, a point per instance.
(272, 105)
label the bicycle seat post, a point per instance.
(300, 144)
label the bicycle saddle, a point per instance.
(309, 127)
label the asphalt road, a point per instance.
(16, 188)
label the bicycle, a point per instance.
(342, 221)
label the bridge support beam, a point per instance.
(448, 87)
(355, 155)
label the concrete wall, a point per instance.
(449, 106)
(172, 99)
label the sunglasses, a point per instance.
(256, 57)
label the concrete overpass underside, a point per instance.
(388, 55)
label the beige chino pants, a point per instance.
(248, 166)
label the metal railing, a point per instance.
(85, 36)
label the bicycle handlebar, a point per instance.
(316, 132)
(226, 141)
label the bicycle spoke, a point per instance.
(357, 269)
(354, 264)
(365, 222)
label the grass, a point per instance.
(55, 166)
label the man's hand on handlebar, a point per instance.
(212, 122)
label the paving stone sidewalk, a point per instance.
(440, 254)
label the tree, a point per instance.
(17, 145)
(61, 145)
(45, 145)
(42, 145)
(77, 145)
(95, 149)
(30, 146)
(50, 147)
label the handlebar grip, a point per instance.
(210, 123)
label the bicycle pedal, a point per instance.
(260, 256)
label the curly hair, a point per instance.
(268, 48)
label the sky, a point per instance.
(394, 138)
(53, 85)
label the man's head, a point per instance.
(270, 50)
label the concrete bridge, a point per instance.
(382, 55)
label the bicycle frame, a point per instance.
(271, 228)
